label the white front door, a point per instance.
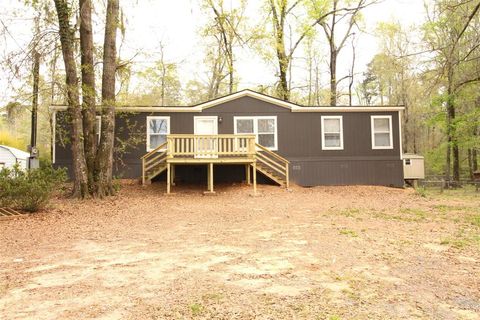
(206, 147)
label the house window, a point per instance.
(264, 129)
(382, 132)
(157, 130)
(332, 133)
(408, 162)
(98, 127)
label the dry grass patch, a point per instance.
(316, 253)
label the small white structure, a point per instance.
(9, 156)
(413, 167)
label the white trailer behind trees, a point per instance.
(9, 156)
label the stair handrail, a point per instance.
(153, 152)
(270, 152)
(284, 162)
(157, 149)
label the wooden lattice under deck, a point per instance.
(9, 212)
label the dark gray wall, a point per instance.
(299, 140)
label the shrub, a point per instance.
(28, 190)
(11, 140)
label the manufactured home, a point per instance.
(248, 136)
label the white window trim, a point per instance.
(255, 127)
(147, 128)
(373, 118)
(98, 133)
(324, 147)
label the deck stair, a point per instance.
(154, 163)
(214, 149)
(272, 165)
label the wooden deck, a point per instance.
(211, 150)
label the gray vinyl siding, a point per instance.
(299, 140)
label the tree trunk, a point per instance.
(52, 100)
(88, 89)
(451, 131)
(36, 79)
(453, 149)
(231, 82)
(470, 164)
(80, 186)
(352, 74)
(333, 77)
(104, 159)
(474, 160)
(283, 60)
(406, 125)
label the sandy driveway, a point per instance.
(319, 253)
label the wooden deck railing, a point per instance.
(210, 146)
(183, 148)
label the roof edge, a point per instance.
(244, 93)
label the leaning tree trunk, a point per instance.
(80, 186)
(104, 159)
(88, 88)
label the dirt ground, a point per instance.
(306, 253)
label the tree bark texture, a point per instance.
(104, 159)
(88, 88)
(80, 186)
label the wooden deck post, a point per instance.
(254, 178)
(247, 174)
(287, 175)
(168, 177)
(172, 175)
(143, 172)
(210, 177)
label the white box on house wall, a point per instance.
(413, 166)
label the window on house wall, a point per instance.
(157, 130)
(332, 133)
(264, 129)
(382, 132)
(98, 127)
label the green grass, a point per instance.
(350, 233)
(414, 214)
(466, 192)
(196, 309)
(350, 212)
(404, 214)
(212, 297)
(462, 239)
(421, 192)
(475, 220)
(442, 208)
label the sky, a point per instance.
(177, 24)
